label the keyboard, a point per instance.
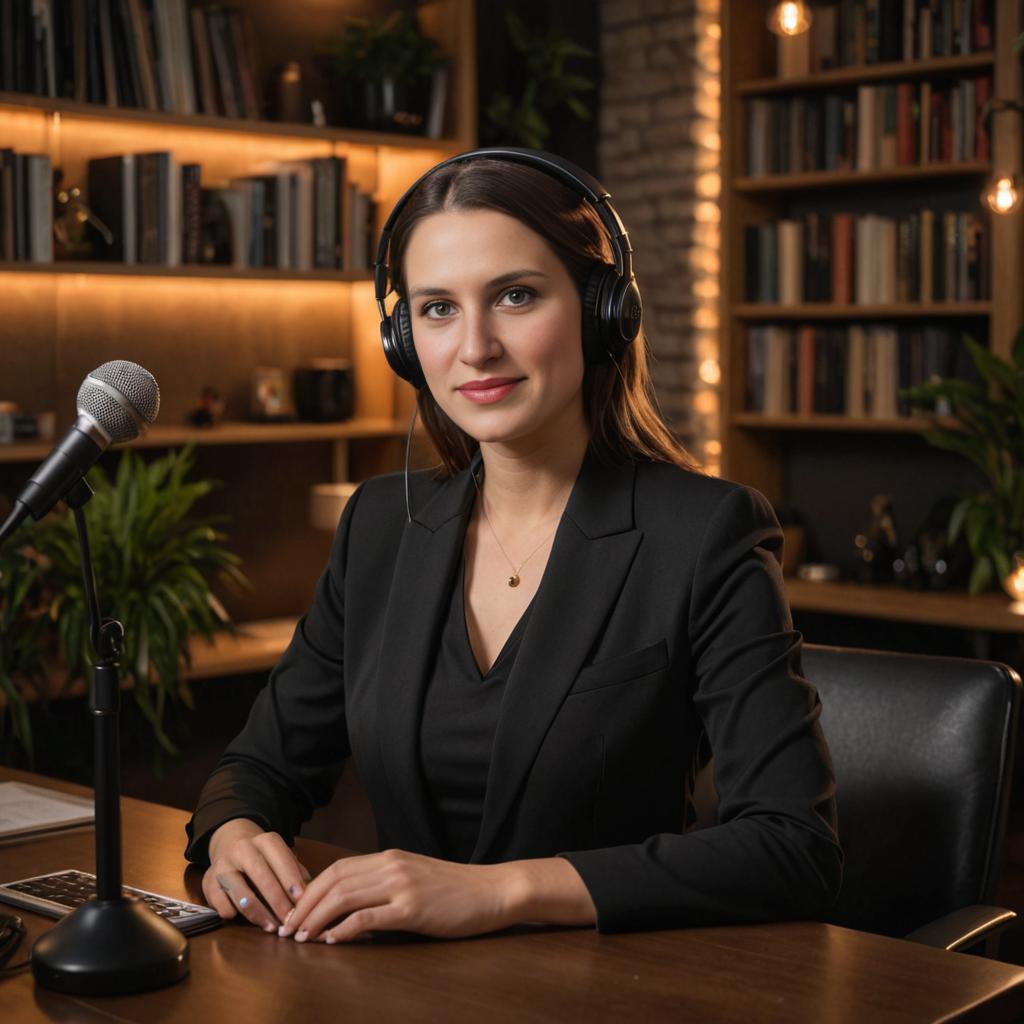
(61, 892)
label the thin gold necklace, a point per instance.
(514, 579)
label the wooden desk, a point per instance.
(786, 972)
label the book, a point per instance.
(27, 810)
(111, 195)
(39, 205)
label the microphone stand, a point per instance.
(110, 945)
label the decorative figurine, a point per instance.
(877, 550)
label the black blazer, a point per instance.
(659, 632)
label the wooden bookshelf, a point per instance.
(834, 311)
(232, 433)
(955, 609)
(842, 179)
(822, 421)
(185, 270)
(836, 456)
(254, 647)
(70, 110)
(199, 326)
(864, 74)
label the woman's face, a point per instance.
(496, 321)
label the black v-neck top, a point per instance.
(460, 716)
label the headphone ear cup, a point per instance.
(625, 316)
(595, 288)
(399, 349)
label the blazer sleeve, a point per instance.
(774, 853)
(286, 760)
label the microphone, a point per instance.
(116, 403)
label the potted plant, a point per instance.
(154, 562)
(24, 618)
(386, 72)
(518, 117)
(988, 428)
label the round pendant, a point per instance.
(513, 581)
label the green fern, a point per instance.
(155, 564)
(987, 429)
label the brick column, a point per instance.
(659, 157)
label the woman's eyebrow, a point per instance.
(512, 275)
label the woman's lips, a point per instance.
(483, 393)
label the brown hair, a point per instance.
(618, 398)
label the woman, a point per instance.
(529, 653)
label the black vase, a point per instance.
(385, 105)
(324, 391)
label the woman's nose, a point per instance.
(479, 343)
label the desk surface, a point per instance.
(786, 972)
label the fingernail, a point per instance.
(284, 931)
(268, 927)
(301, 936)
(244, 901)
(330, 940)
(295, 890)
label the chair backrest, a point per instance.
(923, 753)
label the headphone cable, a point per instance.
(408, 442)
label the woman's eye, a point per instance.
(437, 310)
(519, 296)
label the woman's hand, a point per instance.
(248, 865)
(397, 890)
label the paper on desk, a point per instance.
(25, 810)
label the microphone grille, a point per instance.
(122, 397)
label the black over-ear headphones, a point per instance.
(612, 308)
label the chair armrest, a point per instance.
(964, 928)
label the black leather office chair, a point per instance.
(923, 753)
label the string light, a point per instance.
(1002, 195)
(789, 18)
(1002, 191)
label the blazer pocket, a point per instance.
(622, 669)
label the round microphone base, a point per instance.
(110, 947)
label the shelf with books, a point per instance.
(846, 311)
(856, 254)
(184, 270)
(844, 179)
(857, 74)
(258, 300)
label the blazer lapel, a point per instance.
(428, 557)
(592, 552)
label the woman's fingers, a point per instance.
(266, 880)
(216, 897)
(348, 873)
(338, 903)
(237, 889)
(291, 875)
(382, 918)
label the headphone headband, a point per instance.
(577, 179)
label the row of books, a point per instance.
(166, 55)
(874, 128)
(849, 32)
(297, 215)
(926, 256)
(26, 207)
(853, 370)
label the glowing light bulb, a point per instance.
(789, 18)
(1002, 195)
